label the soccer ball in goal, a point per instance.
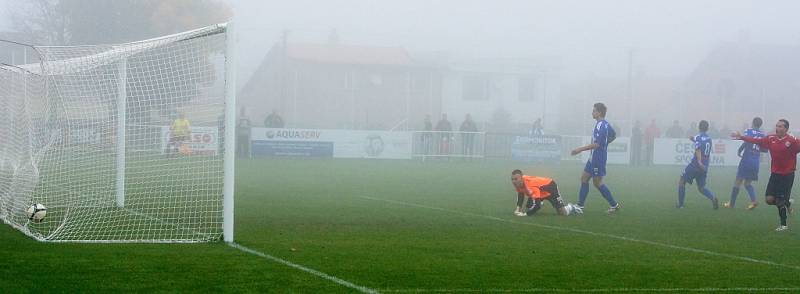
(82, 130)
(36, 213)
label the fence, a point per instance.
(436, 144)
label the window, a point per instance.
(475, 87)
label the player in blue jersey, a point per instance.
(697, 169)
(595, 168)
(748, 166)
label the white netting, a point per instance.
(61, 143)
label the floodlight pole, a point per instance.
(229, 133)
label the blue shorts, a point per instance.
(596, 170)
(747, 172)
(692, 173)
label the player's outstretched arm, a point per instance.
(520, 202)
(796, 146)
(584, 148)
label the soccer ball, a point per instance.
(37, 212)
(573, 209)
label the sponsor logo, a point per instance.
(537, 140)
(719, 148)
(684, 148)
(203, 138)
(687, 158)
(373, 145)
(293, 134)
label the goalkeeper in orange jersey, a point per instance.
(538, 189)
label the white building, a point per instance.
(502, 94)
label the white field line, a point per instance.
(634, 240)
(305, 269)
(611, 290)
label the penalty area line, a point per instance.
(610, 236)
(303, 268)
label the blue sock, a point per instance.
(582, 195)
(751, 192)
(607, 195)
(681, 195)
(708, 193)
(734, 193)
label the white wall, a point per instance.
(504, 93)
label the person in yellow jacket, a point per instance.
(537, 190)
(180, 131)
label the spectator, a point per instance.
(274, 120)
(468, 129)
(180, 131)
(536, 128)
(650, 134)
(427, 135)
(243, 135)
(636, 144)
(444, 128)
(675, 131)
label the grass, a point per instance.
(399, 226)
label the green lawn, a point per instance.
(404, 226)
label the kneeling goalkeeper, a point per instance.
(538, 189)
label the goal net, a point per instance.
(121, 143)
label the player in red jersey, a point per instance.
(783, 149)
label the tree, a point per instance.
(42, 21)
(80, 22)
(91, 22)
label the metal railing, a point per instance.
(439, 144)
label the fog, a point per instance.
(464, 88)
(586, 48)
(723, 61)
(591, 37)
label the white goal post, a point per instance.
(123, 142)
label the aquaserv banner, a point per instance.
(330, 143)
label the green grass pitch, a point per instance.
(444, 226)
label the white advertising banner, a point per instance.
(203, 141)
(335, 143)
(679, 151)
(618, 151)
